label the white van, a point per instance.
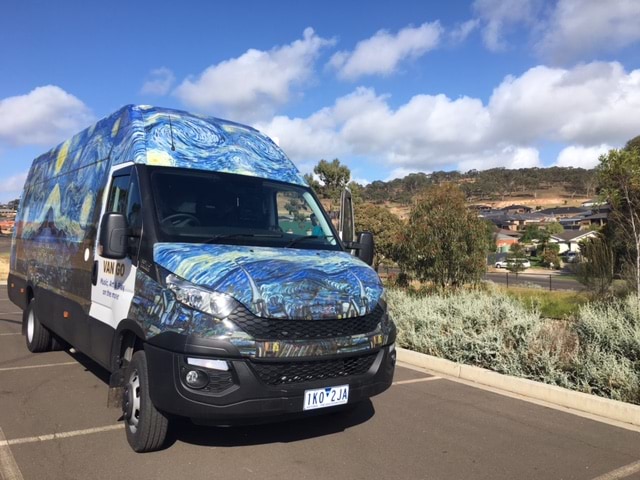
(188, 256)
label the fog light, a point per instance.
(392, 353)
(196, 379)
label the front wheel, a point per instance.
(38, 337)
(145, 425)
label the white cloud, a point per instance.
(510, 156)
(578, 28)
(579, 156)
(591, 105)
(159, 82)
(44, 116)
(500, 17)
(382, 53)
(11, 187)
(253, 85)
(460, 33)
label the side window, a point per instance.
(134, 206)
(124, 197)
(118, 194)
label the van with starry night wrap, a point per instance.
(188, 256)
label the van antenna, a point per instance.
(173, 147)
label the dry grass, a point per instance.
(558, 304)
(4, 267)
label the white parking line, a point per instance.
(416, 380)
(8, 467)
(622, 472)
(8, 369)
(8, 334)
(56, 436)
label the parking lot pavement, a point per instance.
(57, 426)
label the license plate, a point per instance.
(326, 397)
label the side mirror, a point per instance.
(114, 236)
(364, 247)
(365, 252)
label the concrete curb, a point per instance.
(603, 407)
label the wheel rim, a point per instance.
(131, 401)
(31, 321)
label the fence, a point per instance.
(540, 280)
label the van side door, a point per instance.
(114, 280)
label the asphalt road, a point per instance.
(541, 280)
(54, 418)
(552, 281)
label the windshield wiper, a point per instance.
(225, 236)
(306, 237)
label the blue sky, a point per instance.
(389, 88)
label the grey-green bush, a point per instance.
(598, 353)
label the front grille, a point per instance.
(218, 382)
(286, 373)
(284, 329)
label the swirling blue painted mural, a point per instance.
(55, 240)
(277, 282)
(145, 135)
(63, 191)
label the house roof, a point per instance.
(516, 207)
(596, 216)
(573, 235)
(565, 210)
(504, 237)
(510, 233)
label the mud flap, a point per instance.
(116, 389)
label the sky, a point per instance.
(389, 88)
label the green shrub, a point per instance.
(609, 360)
(598, 352)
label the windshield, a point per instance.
(210, 207)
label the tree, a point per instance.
(294, 206)
(334, 177)
(632, 144)
(551, 255)
(554, 228)
(619, 180)
(445, 242)
(385, 226)
(531, 232)
(356, 191)
(516, 258)
(313, 183)
(595, 271)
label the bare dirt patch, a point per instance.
(4, 268)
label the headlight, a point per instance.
(216, 304)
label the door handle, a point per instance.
(94, 273)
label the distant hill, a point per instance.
(544, 186)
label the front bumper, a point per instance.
(253, 391)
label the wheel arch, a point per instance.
(129, 338)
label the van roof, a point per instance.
(162, 136)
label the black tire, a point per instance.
(58, 344)
(146, 426)
(38, 337)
